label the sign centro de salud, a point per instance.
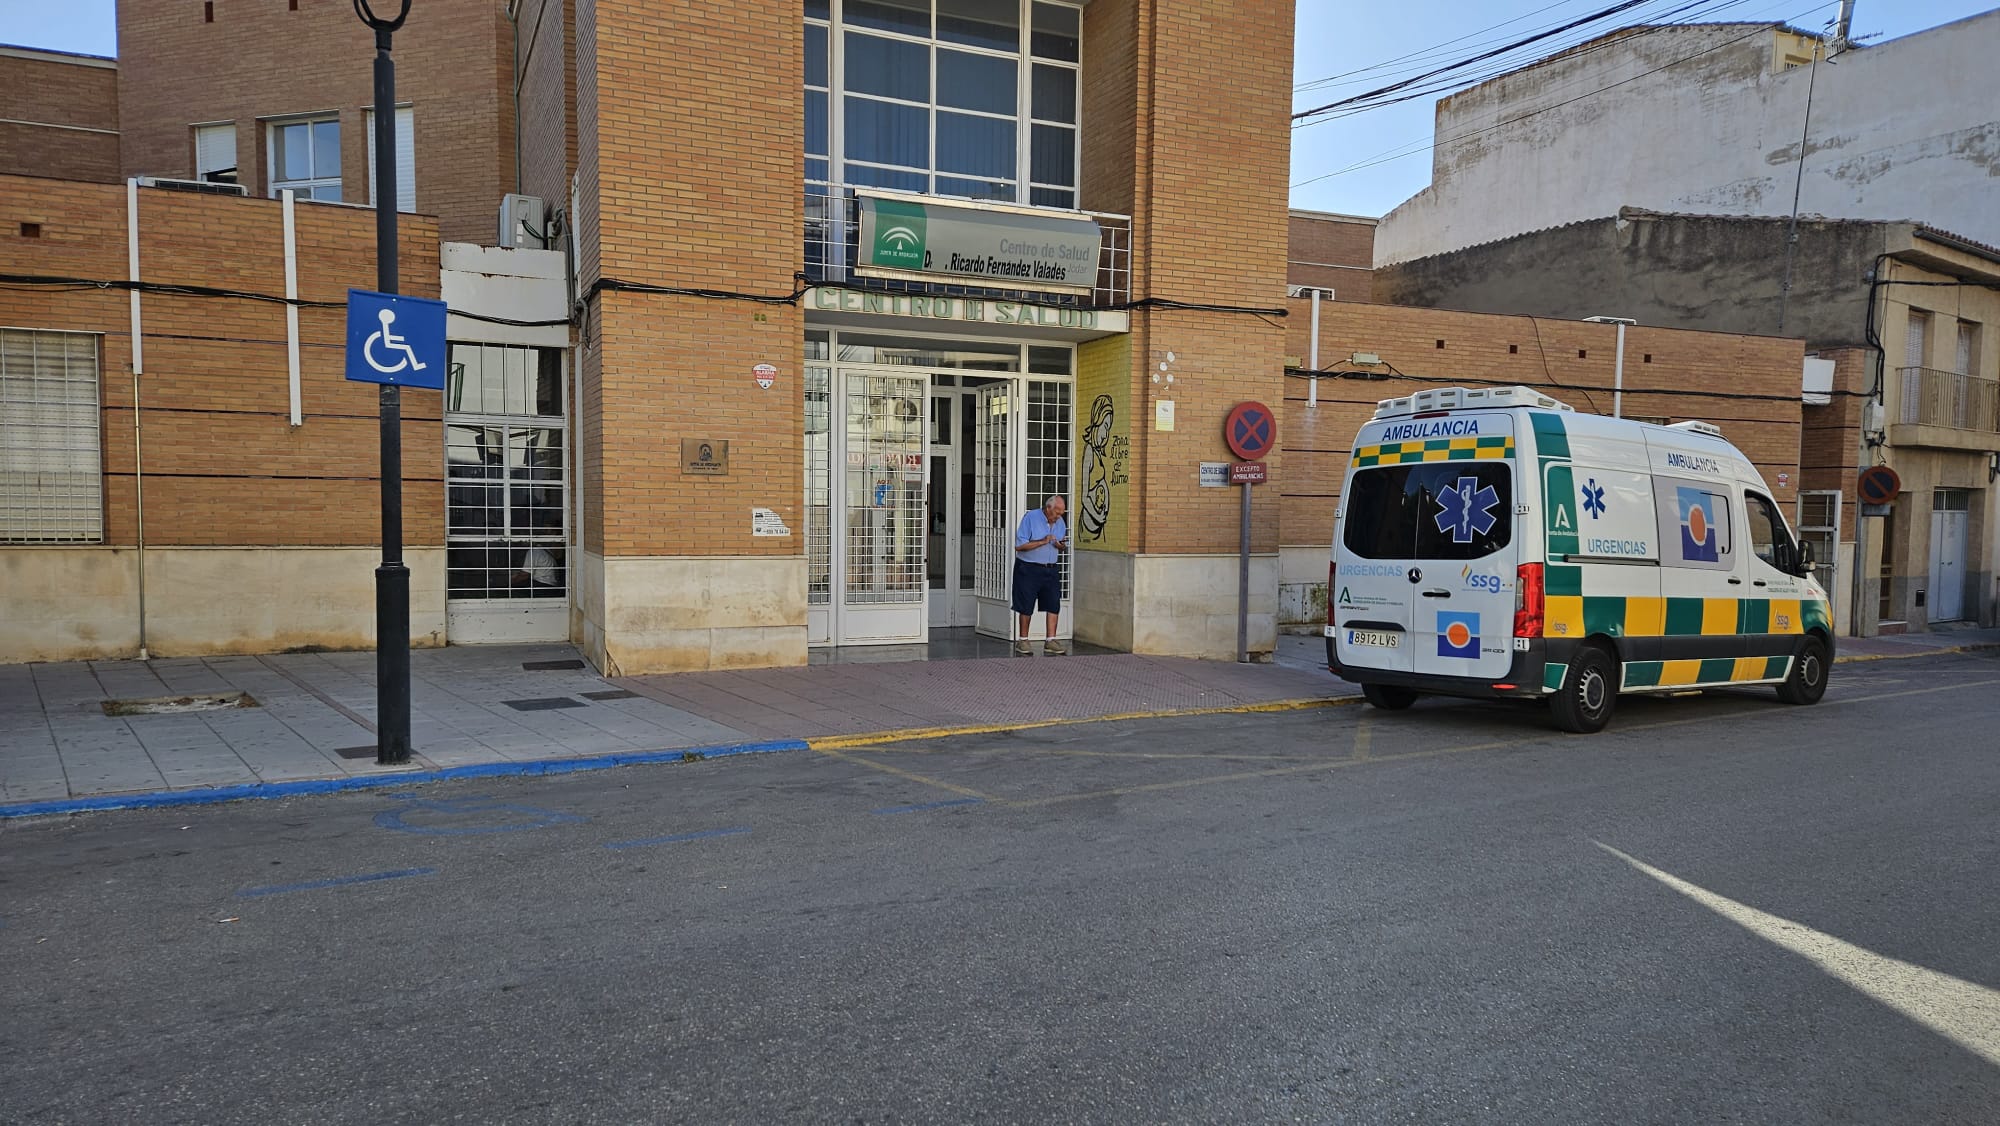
(1004, 249)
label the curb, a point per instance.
(262, 791)
(904, 735)
(1973, 648)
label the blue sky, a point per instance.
(1335, 38)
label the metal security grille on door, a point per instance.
(1819, 525)
(505, 474)
(885, 488)
(1049, 451)
(819, 478)
(993, 533)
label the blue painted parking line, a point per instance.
(928, 805)
(484, 814)
(253, 791)
(336, 881)
(677, 838)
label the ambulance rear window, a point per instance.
(1430, 510)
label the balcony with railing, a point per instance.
(1945, 409)
(832, 247)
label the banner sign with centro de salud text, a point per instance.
(999, 249)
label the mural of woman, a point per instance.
(1094, 505)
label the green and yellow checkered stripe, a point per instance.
(1569, 613)
(1435, 449)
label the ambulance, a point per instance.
(1493, 542)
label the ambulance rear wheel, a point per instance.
(1387, 697)
(1589, 693)
(1807, 681)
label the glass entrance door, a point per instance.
(881, 574)
(921, 455)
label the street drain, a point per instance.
(180, 705)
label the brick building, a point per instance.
(188, 496)
(1086, 313)
(61, 114)
(852, 283)
(272, 95)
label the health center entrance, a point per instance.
(921, 456)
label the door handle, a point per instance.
(1437, 594)
(1736, 582)
(1760, 582)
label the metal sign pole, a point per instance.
(392, 578)
(1243, 580)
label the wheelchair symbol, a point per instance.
(390, 343)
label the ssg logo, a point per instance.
(1487, 583)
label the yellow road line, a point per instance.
(911, 775)
(904, 735)
(1362, 756)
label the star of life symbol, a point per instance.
(1593, 498)
(1466, 509)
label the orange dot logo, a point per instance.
(1698, 524)
(1458, 635)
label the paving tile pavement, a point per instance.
(56, 741)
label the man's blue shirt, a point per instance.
(1034, 526)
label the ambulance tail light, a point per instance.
(1528, 600)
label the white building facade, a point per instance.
(1708, 119)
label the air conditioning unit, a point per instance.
(204, 187)
(524, 221)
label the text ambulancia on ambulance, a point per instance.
(1492, 542)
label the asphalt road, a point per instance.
(1333, 915)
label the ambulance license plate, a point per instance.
(1375, 638)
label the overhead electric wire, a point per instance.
(1412, 148)
(1498, 63)
(1427, 52)
(1602, 14)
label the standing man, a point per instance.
(1038, 547)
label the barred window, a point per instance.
(51, 470)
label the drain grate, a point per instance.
(179, 705)
(544, 704)
(612, 694)
(551, 666)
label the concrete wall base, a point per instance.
(1173, 605)
(82, 603)
(657, 614)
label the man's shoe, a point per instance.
(1023, 649)
(1056, 649)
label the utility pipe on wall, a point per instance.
(138, 367)
(291, 305)
(1312, 384)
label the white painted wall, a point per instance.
(1692, 119)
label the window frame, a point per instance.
(87, 515)
(217, 128)
(305, 188)
(1022, 188)
(406, 155)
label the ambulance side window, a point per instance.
(1769, 540)
(1429, 510)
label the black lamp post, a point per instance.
(392, 578)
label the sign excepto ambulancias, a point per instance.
(1247, 473)
(1003, 249)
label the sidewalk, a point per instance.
(534, 709)
(539, 708)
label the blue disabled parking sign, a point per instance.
(395, 339)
